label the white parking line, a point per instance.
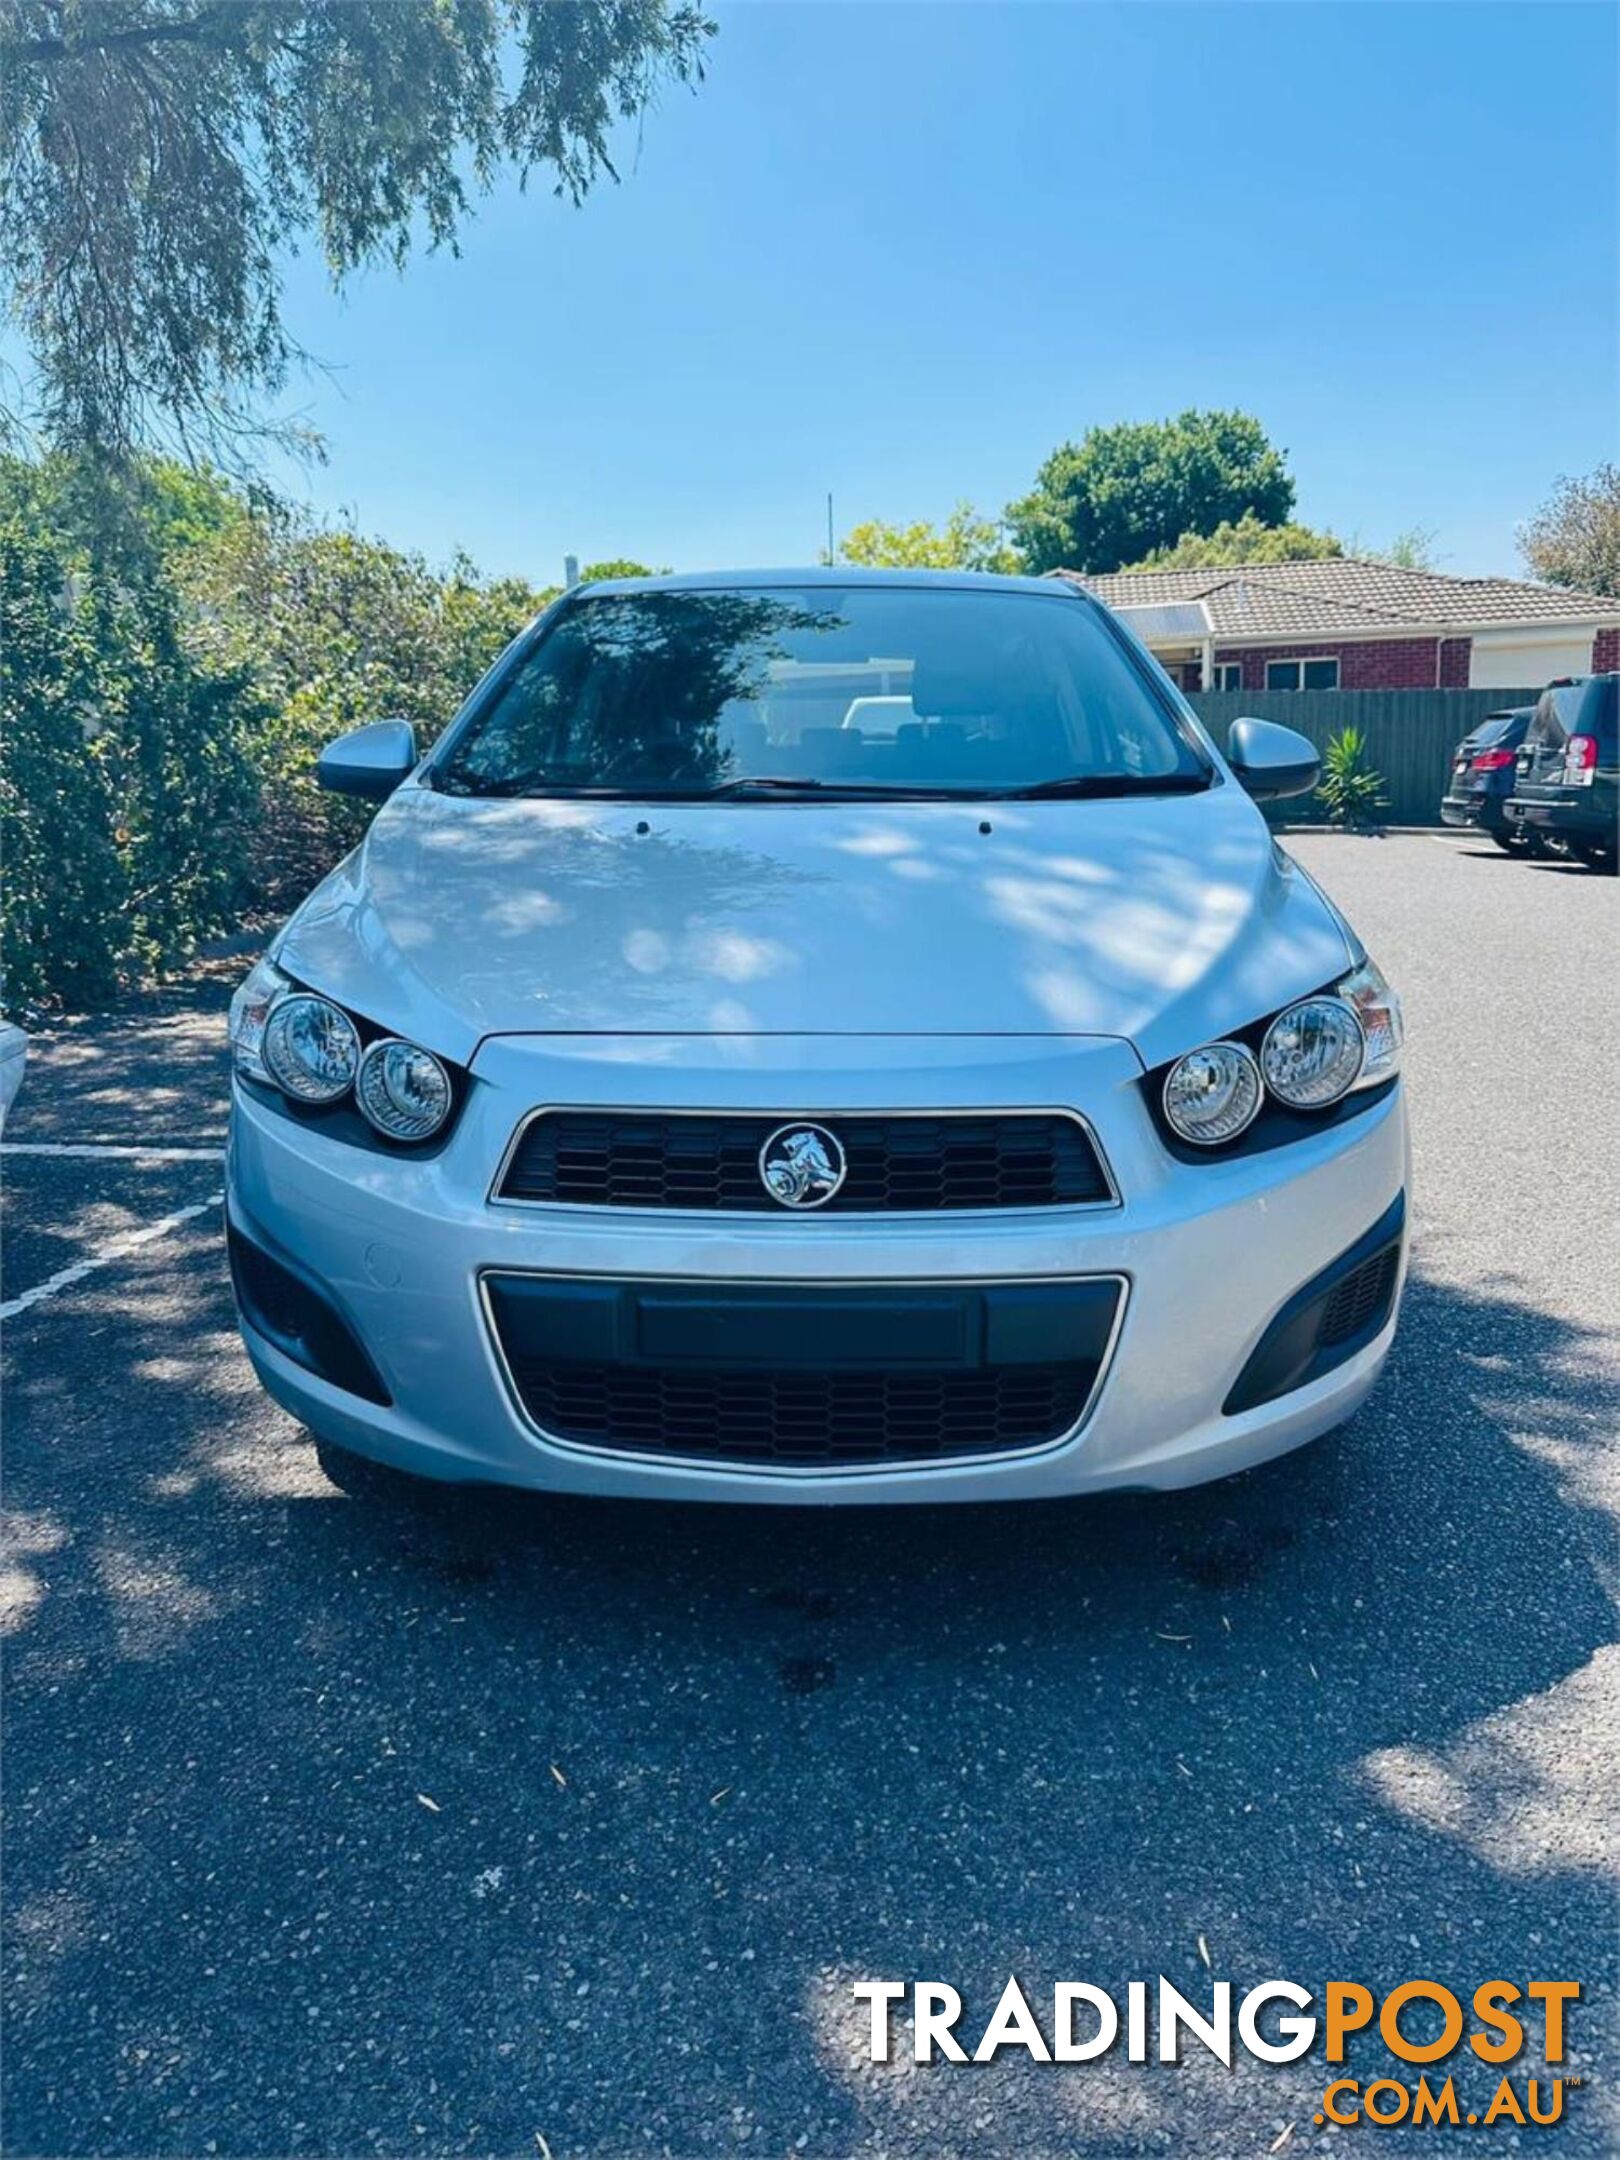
(118, 1249)
(113, 1150)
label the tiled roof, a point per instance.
(1347, 595)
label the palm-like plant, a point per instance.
(1350, 788)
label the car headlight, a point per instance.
(1378, 1009)
(403, 1090)
(1313, 1053)
(1213, 1094)
(250, 1009)
(311, 1047)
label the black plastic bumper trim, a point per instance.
(283, 1302)
(804, 1379)
(811, 1328)
(1299, 1346)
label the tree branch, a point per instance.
(61, 48)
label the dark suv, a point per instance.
(1482, 771)
(1567, 784)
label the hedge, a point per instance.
(127, 786)
(173, 656)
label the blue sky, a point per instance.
(901, 251)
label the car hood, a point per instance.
(1164, 920)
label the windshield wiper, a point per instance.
(766, 783)
(1090, 786)
(746, 784)
(1063, 786)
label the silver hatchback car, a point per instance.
(819, 1036)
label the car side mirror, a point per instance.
(369, 761)
(1271, 760)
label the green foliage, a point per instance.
(1574, 538)
(1242, 540)
(1351, 791)
(126, 782)
(1409, 550)
(617, 566)
(335, 630)
(159, 159)
(966, 541)
(1413, 549)
(173, 657)
(1122, 492)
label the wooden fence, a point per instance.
(1410, 735)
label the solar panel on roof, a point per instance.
(1170, 622)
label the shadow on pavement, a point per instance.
(337, 1827)
(155, 1070)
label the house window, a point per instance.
(1302, 674)
(1228, 675)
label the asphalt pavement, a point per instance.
(503, 1825)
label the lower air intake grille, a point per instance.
(1362, 1296)
(895, 1164)
(1329, 1319)
(803, 1420)
(299, 1319)
(803, 1376)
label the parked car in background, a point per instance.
(13, 1057)
(1483, 767)
(1567, 783)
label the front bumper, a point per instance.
(1207, 1253)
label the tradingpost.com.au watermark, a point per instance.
(1446, 2054)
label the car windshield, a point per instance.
(864, 689)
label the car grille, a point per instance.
(896, 1164)
(803, 1420)
(1364, 1294)
(802, 1376)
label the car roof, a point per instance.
(837, 579)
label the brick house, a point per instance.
(1353, 625)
